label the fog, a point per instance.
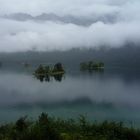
(25, 89)
(110, 24)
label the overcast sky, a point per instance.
(49, 35)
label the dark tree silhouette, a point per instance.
(58, 67)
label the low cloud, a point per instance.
(55, 35)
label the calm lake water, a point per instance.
(110, 95)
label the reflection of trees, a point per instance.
(48, 78)
(40, 77)
(58, 77)
(96, 70)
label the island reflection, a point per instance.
(48, 78)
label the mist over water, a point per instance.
(97, 88)
(110, 95)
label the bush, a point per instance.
(50, 128)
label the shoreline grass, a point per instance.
(51, 128)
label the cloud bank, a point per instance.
(48, 35)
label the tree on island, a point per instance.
(58, 68)
(40, 70)
(91, 65)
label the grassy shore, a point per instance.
(50, 128)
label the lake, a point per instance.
(112, 94)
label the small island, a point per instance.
(91, 65)
(46, 72)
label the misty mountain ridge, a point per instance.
(124, 57)
(78, 20)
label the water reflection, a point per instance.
(101, 95)
(48, 78)
(58, 77)
(90, 71)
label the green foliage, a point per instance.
(91, 65)
(48, 70)
(49, 128)
(40, 70)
